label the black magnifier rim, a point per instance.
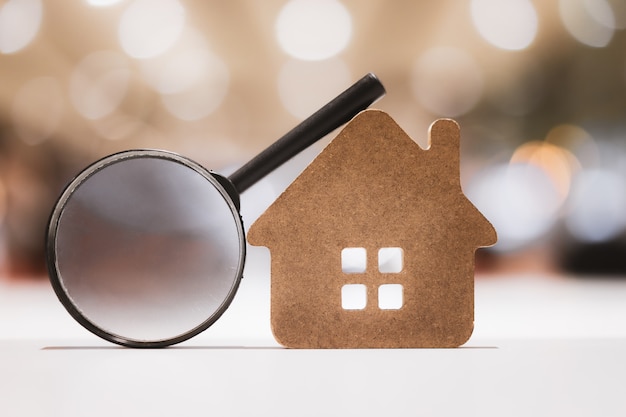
(53, 227)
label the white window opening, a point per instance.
(390, 260)
(353, 296)
(390, 296)
(353, 260)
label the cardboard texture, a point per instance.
(373, 187)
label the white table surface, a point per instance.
(542, 346)
(498, 378)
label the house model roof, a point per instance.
(373, 193)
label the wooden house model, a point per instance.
(373, 245)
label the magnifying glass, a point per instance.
(146, 248)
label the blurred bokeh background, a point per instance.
(539, 88)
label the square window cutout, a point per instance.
(353, 297)
(353, 260)
(390, 260)
(390, 297)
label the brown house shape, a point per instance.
(374, 195)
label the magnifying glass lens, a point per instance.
(148, 248)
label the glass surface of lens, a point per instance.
(146, 247)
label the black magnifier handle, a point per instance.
(334, 114)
